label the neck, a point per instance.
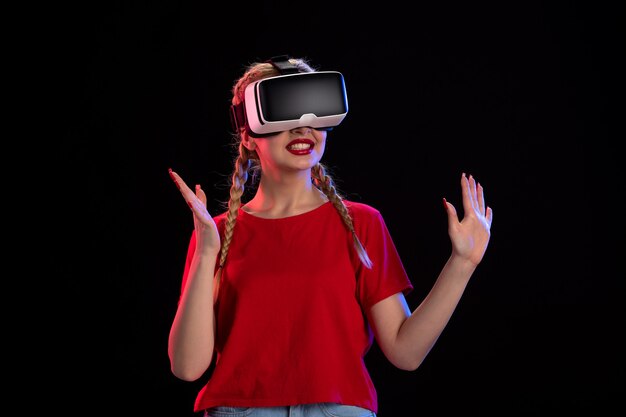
(285, 195)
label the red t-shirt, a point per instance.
(291, 323)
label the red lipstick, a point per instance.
(295, 146)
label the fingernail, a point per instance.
(173, 178)
(197, 187)
(445, 205)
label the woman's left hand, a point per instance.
(470, 236)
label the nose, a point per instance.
(302, 130)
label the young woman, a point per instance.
(287, 291)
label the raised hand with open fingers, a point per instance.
(207, 235)
(470, 236)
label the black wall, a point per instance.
(524, 96)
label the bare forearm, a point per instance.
(420, 331)
(192, 334)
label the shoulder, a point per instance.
(362, 211)
(368, 221)
(220, 216)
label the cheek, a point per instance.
(262, 146)
(321, 140)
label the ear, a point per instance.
(248, 141)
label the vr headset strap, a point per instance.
(237, 116)
(282, 64)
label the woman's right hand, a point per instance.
(207, 235)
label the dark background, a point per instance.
(526, 97)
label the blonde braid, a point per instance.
(246, 159)
(239, 178)
(324, 182)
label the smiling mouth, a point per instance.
(300, 146)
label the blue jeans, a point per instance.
(305, 410)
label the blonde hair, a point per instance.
(248, 160)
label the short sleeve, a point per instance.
(387, 275)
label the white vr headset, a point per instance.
(290, 100)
